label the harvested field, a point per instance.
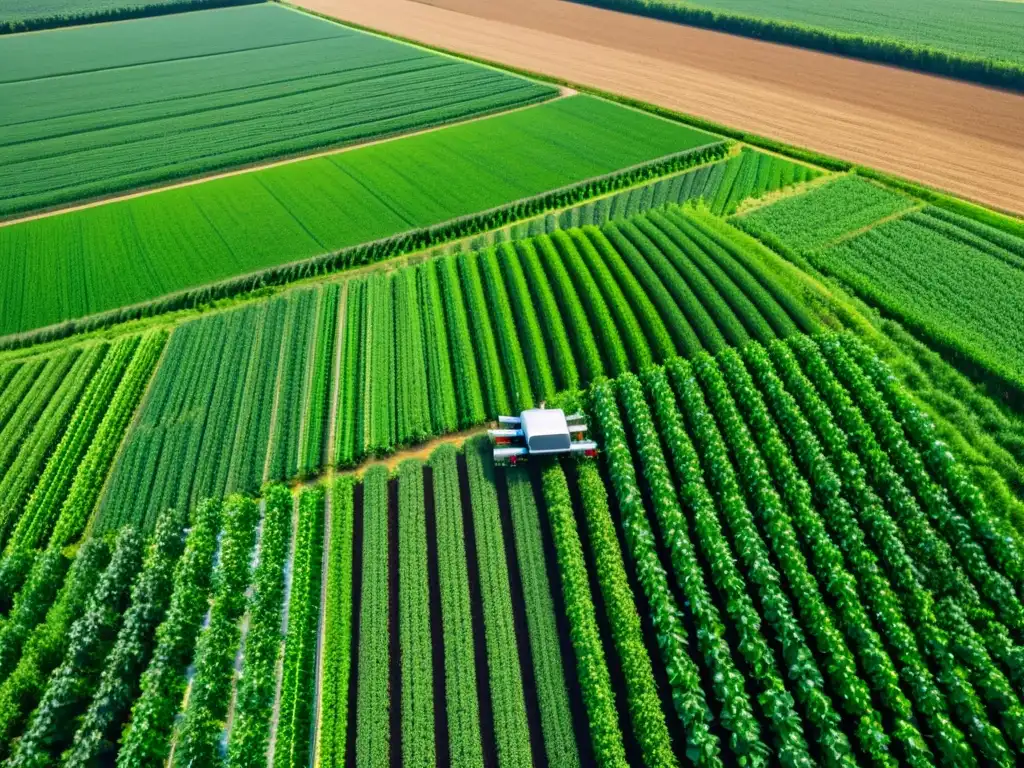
(963, 138)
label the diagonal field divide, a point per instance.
(964, 138)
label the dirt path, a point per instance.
(274, 163)
(961, 137)
(421, 451)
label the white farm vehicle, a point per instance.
(539, 432)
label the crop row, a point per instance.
(591, 665)
(806, 462)
(250, 730)
(417, 704)
(198, 737)
(298, 677)
(373, 703)
(147, 737)
(337, 632)
(462, 705)
(541, 623)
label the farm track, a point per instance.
(964, 138)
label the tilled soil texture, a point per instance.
(964, 138)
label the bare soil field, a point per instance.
(960, 137)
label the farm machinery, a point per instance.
(539, 432)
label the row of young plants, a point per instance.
(49, 726)
(462, 705)
(51, 485)
(688, 697)
(318, 386)
(292, 745)
(521, 395)
(373, 700)
(335, 666)
(746, 739)
(42, 645)
(293, 378)
(541, 622)
(649, 725)
(197, 739)
(508, 703)
(414, 640)
(591, 664)
(785, 510)
(737, 588)
(413, 406)
(254, 701)
(443, 407)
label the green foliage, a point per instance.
(198, 736)
(827, 213)
(414, 642)
(520, 391)
(349, 439)
(100, 727)
(440, 384)
(591, 667)
(951, 292)
(32, 15)
(38, 516)
(688, 698)
(614, 354)
(528, 324)
(484, 338)
(30, 604)
(410, 362)
(462, 706)
(555, 716)
(344, 86)
(146, 739)
(298, 676)
(337, 642)
(373, 702)
(649, 726)
(571, 309)
(466, 374)
(194, 252)
(44, 649)
(318, 390)
(511, 731)
(555, 335)
(91, 636)
(250, 730)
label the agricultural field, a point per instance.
(102, 258)
(256, 521)
(246, 84)
(308, 363)
(973, 39)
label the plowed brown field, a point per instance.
(963, 138)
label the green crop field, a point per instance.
(251, 516)
(131, 251)
(95, 110)
(24, 15)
